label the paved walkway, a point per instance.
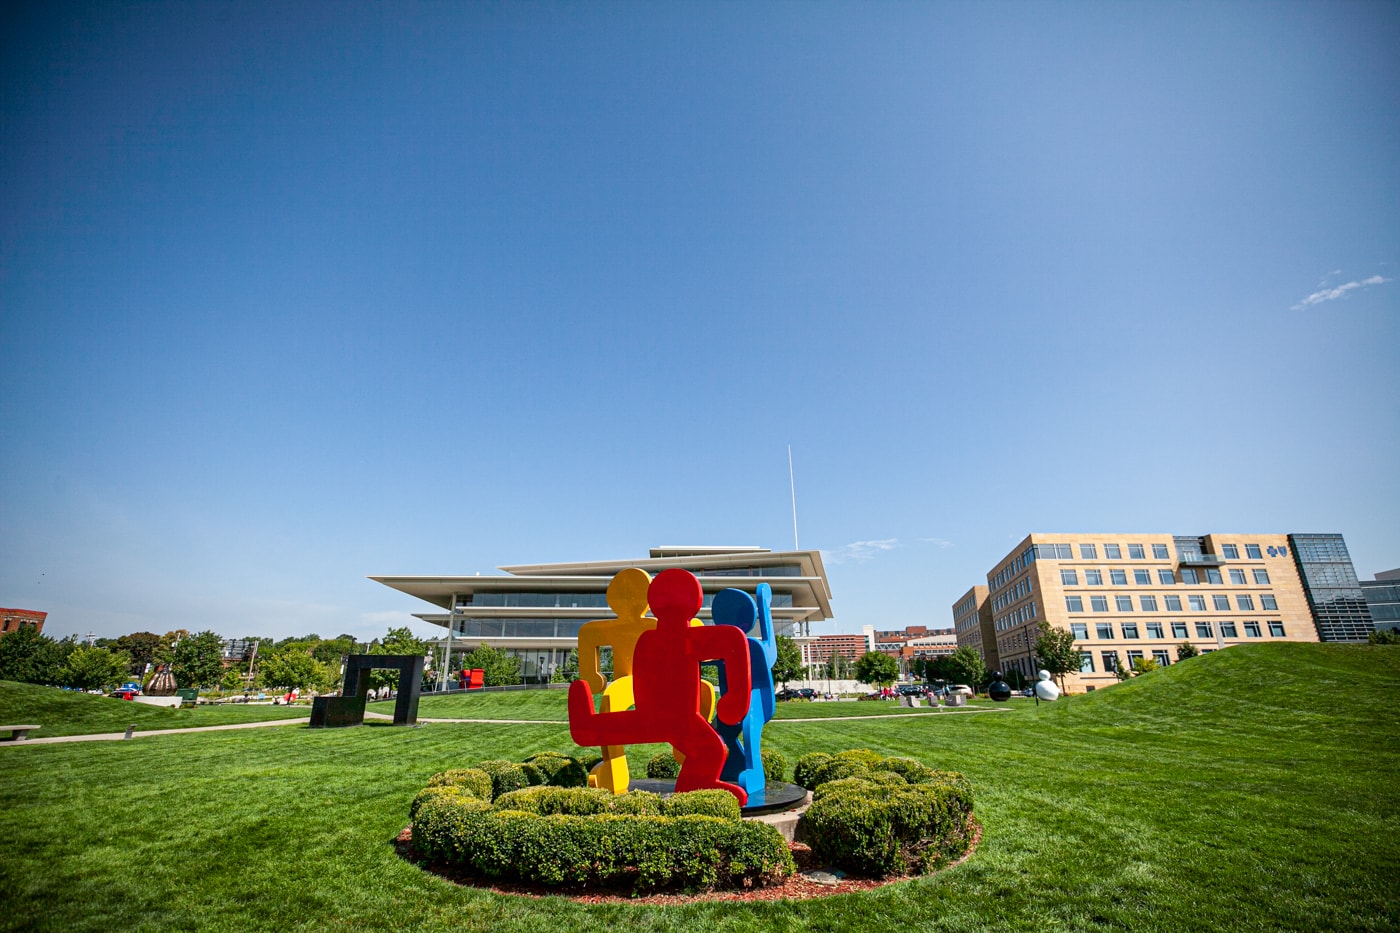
(119, 736)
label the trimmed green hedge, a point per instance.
(506, 776)
(643, 853)
(717, 803)
(560, 770)
(774, 765)
(879, 816)
(473, 780)
(662, 766)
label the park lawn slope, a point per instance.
(1251, 789)
(66, 712)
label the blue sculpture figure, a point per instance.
(744, 764)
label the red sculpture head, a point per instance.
(675, 596)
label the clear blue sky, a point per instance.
(291, 294)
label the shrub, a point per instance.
(547, 801)
(837, 768)
(913, 772)
(717, 803)
(473, 780)
(637, 803)
(439, 792)
(663, 766)
(560, 770)
(533, 776)
(856, 785)
(863, 755)
(805, 773)
(506, 776)
(883, 777)
(443, 822)
(774, 765)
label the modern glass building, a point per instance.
(1383, 599)
(1334, 594)
(535, 611)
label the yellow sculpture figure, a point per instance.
(627, 597)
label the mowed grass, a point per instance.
(1251, 789)
(64, 712)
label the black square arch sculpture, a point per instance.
(348, 709)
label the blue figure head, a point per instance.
(734, 607)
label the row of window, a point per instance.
(1104, 630)
(1018, 563)
(1172, 603)
(1110, 660)
(1135, 552)
(1015, 617)
(1020, 591)
(1094, 577)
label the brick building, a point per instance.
(14, 619)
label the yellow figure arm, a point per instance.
(590, 639)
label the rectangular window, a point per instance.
(1099, 603)
(1093, 578)
(1237, 577)
(1178, 630)
(1261, 575)
(1074, 603)
(1135, 552)
(1134, 656)
(1276, 629)
(1213, 575)
(1252, 552)
(1267, 601)
(1105, 630)
(1161, 657)
(1222, 603)
(1227, 630)
(1159, 552)
(1112, 552)
(1086, 662)
(1110, 661)
(1118, 577)
(1244, 602)
(1173, 603)
(1198, 603)
(1252, 629)
(1154, 630)
(1166, 578)
(1188, 575)
(1130, 630)
(1203, 630)
(1142, 577)
(1088, 552)
(1069, 577)
(1148, 603)
(1079, 630)
(1230, 552)
(1124, 603)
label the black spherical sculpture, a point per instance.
(999, 690)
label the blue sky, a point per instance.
(295, 294)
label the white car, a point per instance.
(964, 689)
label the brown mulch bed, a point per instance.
(795, 887)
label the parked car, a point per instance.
(964, 689)
(912, 690)
(800, 693)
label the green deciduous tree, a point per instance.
(29, 656)
(568, 671)
(1384, 636)
(93, 668)
(877, 669)
(287, 669)
(197, 661)
(1144, 665)
(1056, 652)
(141, 647)
(500, 669)
(401, 641)
(789, 663)
(837, 667)
(1186, 650)
(964, 666)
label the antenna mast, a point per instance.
(793, 486)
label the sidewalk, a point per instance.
(119, 736)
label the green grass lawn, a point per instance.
(63, 712)
(1251, 789)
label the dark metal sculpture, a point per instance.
(348, 709)
(999, 690)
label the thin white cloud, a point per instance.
(1332, 294)
(858, 552)
(938, 542)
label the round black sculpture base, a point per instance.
(777, 795)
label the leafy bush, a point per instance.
(560, 770)
(874, 823)
(473, 780)
(717, 803)
(805, 774)
(913, 772)
(444, 822)
(533, 775)
(637, 803)
(774, 765)
(547, 801)
(662, 766)
(437, 792)
(838, 768)
(506, 776)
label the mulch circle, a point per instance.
(796, 887)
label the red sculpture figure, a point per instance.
(666, 687)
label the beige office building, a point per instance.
(1141, 595)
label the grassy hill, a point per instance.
(1251, 789)
(64, 712)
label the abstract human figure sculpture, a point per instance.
(627, 597)
(1045, 688)
(666, 687)
(744, 765)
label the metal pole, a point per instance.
(793, 487)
